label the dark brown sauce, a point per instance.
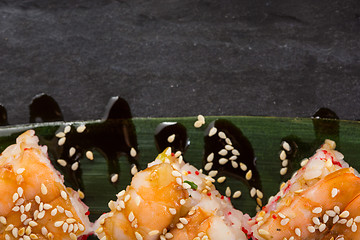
(44, 108)
(3, 116)
(171, 134)
(215, 144)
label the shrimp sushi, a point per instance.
(319, 202)
(170, 200)
(34, 203)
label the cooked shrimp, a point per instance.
(312, 201)
(147, 206)
(34, 203)
(170, 199)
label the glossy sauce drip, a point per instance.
(326, 125)
(217, 144)
(3, 116)
(44, 108)
(171, 134)
(113, 137)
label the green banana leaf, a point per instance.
(264, 133)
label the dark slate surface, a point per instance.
(182, 57)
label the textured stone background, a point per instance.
(182, 57)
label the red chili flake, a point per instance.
(87, 213)
(324, 151)
(197, 172)
(189, 172)
(274, 216)
(209, 194)
(229, 213)
(26, 149)
(222, 197)
(172, 154)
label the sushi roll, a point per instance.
(34, 203)
(170, 200)
(318, 202)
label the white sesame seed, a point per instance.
(253, 192)
(171, 138)
(201, 118)
(20, 170)
(16, 209)
(65, 227)
(14, 232)
(67, 129)
(243, 166)
(3, 220)
(15, 197)
(281, 215)
(228, 141)
(228, 192)
(53, 212)
(221, 179)
(223, 161)
(213, 173)
(60, 134)
(212, 131)
(298, 231)
(210, 157)
(172, 211)
(350, 222)
(316, 221)
(322, 227)
(43, 189)
(304, 162)
(131, 216)
(342, 221)
(63, 195)
(336, 219)
(344, 214)
(41, 214)
(233, 158)
(133, 152)
(44, 231)
(263, 232)
(317, 210)
(75, 166)
(61, 141)
(357, 219)
(332, 213)
(229, 147)
(223, 152)
(58, 223)
(235, 152)
(234, 164)
(222, 135)
(168, 235)
(33, 224)
(198, 124)
(283, 171)
(138, 236)
(325, 218)
(72, 151)
(183, 221)
(334, 192)
(90, 155)
(282, 155)
(328, 163)
(208, 166)
(186, 185)
(81, 128)
(353, 227)
(237, 194)
(248, 175)
(114, 178)
(154, 232)
(311, 229)
(28, 207)
(337, 209)
(285, 163)
(284, 221)
(134, 170)
(62, 162)
(286, 146)
(179, 226)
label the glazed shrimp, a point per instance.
(34, 203)
(170, 200)
(147, 207)
(311, 202)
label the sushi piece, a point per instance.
(170, 200)
(34, 203)
(315, 203)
